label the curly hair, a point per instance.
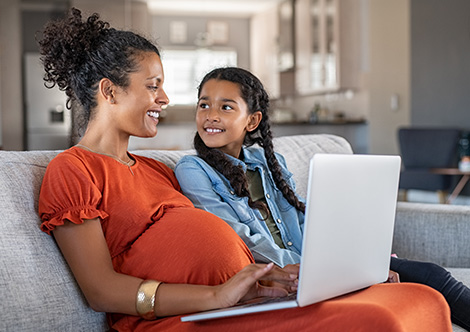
(257, 99)
(77, 54)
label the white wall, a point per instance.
(263, 49)
(389, 27)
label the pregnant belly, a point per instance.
(186, 245)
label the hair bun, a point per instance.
(67, 44)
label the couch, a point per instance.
(38, 291)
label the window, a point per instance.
(184, 69)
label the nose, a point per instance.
(162, 98)
(212, 115)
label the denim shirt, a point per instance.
(211, 191)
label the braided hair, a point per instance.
(257, 99)
(77, 54)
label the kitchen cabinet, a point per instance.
(328, 43)
(317, 45)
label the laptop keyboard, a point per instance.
(268, 300)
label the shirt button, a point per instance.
(232, 192)
(268, 196)
(289, 243)
(279, 221)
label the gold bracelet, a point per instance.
(145, 304)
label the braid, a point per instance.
(234, 173)
(275, 168)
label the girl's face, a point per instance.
(139, 105)
(223, 117)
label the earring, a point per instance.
(112, 100)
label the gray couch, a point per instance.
(38, 291)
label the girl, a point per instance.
(232, 179)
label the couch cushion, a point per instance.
(433, 232)
(298, 150)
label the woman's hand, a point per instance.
(246, 285)
(288, 278)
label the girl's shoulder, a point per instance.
(192, 162)
(256, 153)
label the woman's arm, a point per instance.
(85, 249)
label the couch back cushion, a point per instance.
(37, 289)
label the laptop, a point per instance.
(348, 231)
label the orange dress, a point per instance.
(154, 232)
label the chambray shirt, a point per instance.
(211, 191)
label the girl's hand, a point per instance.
(393, 277)
(245, 285)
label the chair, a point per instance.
(422, 149)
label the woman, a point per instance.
(137, 247)
(251, 188)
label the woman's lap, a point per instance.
(384, 307)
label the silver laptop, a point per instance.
(348, 231)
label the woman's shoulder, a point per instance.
(69, 158)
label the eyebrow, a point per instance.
(225, 100)
(159, 80)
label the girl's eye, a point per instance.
(227, 108)
(203, 105)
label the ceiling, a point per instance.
(224, 8)
(241, 8)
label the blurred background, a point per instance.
(356, 68)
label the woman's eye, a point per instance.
(153, 87)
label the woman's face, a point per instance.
(139, 105)
(223, 117)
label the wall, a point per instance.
(389, 74)
(11, 107)
(440, 63)
(263, 48)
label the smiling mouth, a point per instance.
(154, 114)
(214, 130)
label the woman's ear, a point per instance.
(254, 121)
(106, 90)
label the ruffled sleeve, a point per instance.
(68, 193)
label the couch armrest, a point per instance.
(436, 233)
